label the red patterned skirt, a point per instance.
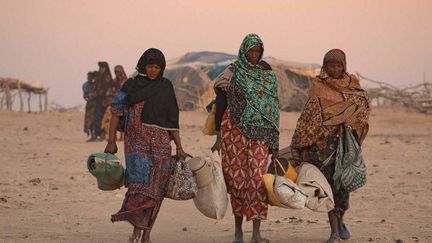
(147, 154)
(244, 161)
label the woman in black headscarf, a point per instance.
(149, 107)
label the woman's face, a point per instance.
(102, 69)
(152, 71)
(117, 72)
(334, 69)
(254, 54)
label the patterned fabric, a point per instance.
(252, 96)
(244, 161)
(350, 170)
(322, 155)
(147, 152)
(181, 184)
(332, 102)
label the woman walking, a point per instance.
(247, 124)
(335, 99)
(102, 82)
(149, 108)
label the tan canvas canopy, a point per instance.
(11, 88)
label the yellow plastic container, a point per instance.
(268, 180)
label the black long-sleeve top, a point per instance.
(221, 105)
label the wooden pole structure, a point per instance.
(28, 101)
(20, 97)
(2, 98)
(46, 101)
(8, 98)
(40, 102)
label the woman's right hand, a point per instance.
(224, 87)
(111, 148)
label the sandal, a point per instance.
(343, 232)
(334, 238)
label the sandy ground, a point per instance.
(47, 194)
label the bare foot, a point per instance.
(135, 237)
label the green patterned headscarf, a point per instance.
(259, 87)
(252, 96)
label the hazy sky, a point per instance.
(58, 41)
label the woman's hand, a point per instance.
(111, 148)
(217, 145)
(224, 87)
(181, 154)
(274, 153)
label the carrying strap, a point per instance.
(280, 166)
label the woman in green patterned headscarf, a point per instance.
(247, 124)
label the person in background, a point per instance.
(335, 99)
(148, 105)
(247, 125)
(120, 75)
(111, 89)
(102, 83)
(90, 107)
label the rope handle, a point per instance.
(280, 166)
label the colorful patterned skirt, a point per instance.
(244, 161)
(148, 152)
(323, 155)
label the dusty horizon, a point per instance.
(58, 42)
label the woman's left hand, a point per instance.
(181, 154)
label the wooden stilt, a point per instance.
(40, 102)
(46, 101)
(8, 99)
(29, 101)
(20, 97)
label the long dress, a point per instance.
(147, 152)
(249, 129)
(244, 162)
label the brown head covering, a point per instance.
(335, 55)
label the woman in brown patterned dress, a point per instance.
(335, 99)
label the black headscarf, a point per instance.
(160, 103)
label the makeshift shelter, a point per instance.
(12, 89)
(193, 73)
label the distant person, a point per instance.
(111, 89)
(120, 75)
(149, 107)
(89, 96)
(247, 125)
(102, 84)
(335, 99)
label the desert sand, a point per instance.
(47, 194)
